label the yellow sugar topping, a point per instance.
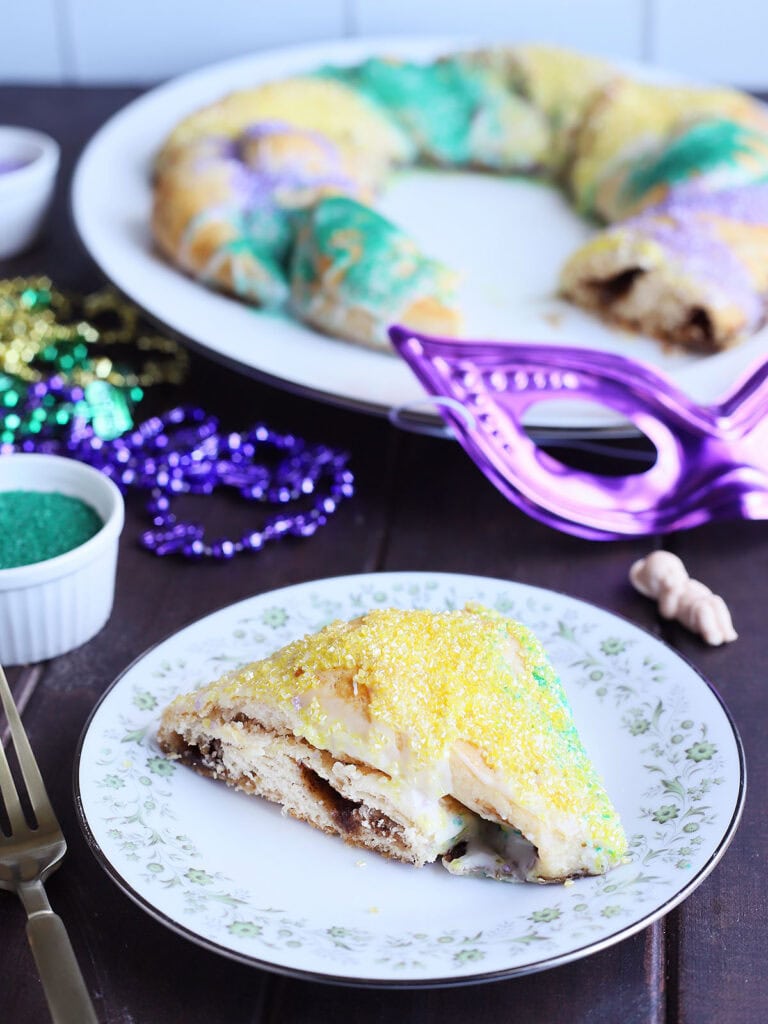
(418, 683)
(313, 103)
(561, 81)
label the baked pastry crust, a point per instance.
(416, 734)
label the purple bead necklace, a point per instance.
(183, 452)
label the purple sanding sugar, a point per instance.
(258, 185)
(255, 187)
(745, 203)
(707, 258)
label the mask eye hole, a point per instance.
(573, 413)
(620, 449)
(602, 457)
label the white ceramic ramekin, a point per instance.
(29, 161)
(51, 607)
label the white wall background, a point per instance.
(138, 41)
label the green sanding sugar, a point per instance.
(36, 525)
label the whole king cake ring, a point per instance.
(268, 193)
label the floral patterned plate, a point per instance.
(233, 874)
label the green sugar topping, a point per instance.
(705, 146)
(371, 262)
(433, 103)
(37, 525)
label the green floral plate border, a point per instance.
(233, 874)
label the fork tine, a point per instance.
(27, 863)
(29, 769)
(10, 795)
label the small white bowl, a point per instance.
(29, 161)
(50, 607)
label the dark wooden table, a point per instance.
(422, 505)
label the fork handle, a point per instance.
(63, 984)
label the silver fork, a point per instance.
(27, 857)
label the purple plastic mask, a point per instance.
(711, 463)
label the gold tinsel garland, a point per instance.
(44, 331)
